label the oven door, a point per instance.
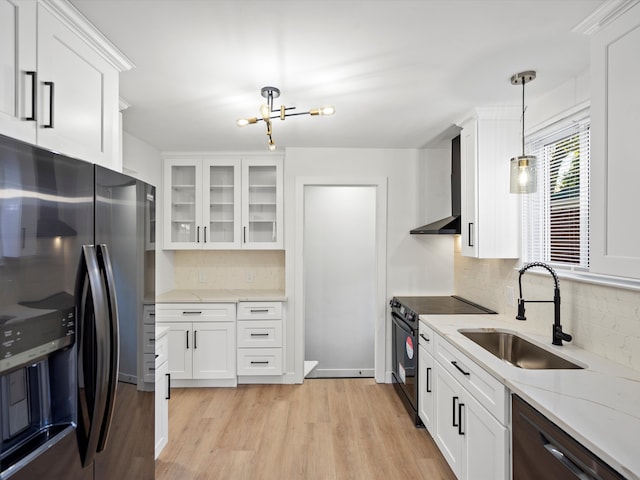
(405, 353)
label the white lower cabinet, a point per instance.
(465, 410)
(259, 346)
(202, 343)
(162, 392)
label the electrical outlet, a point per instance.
(202, 276)
(249, 276)
(510, 297)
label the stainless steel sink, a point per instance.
(517, 351)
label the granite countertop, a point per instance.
(598, 406)
(221, 296)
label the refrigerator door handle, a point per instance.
(93, 367)
(114, 342)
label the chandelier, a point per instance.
(268, 113)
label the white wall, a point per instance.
(604, 320)
(420, 265)
(144, 162)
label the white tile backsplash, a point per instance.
(229, 270)
(603, 320)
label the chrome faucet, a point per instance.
(558, 334)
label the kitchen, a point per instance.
(412, 175)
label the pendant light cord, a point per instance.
(523, 82)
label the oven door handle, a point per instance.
(397, 319)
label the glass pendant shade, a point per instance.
(524, 178)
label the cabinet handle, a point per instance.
(470, 235)
(428, 380)
(187, 332)
(205, 235)
(455, 364)
(152, 314)
(259, 334)
(34, 95)
(244, 234)
(191, 312)
(195, 339)
(168, 397)
(426, 339)
(152, 340)
(262, 362)
(453, 414)
(460, 407)
(259, 310)
(198, 235)
(51, 95)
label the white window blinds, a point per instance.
(556, 217)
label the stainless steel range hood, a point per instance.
(449, 225)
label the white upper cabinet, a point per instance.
(615, 110)
(60, 81)
(223, 203)
(490, 223)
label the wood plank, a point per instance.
(329, 429)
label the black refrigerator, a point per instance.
(77, 266)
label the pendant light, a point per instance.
(523, 168)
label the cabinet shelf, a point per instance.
(180, 187)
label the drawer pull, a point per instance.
(426, 339)
(455, 364)
(259, 310)
(261, 362)
(259, 334)
(152, 314)
(193, 312)
(152, 369)
(152, 340)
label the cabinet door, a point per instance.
(183, 194)
(221, 204)
(262, 203)
(17, 57)
(180, 348)
(468, 152)
(448, 432)
(486, 443)
(214, 350)
(77, 95)
(426, 397)
(162, 408)
(615, 67)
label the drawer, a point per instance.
(196, 312)
(162, 350)
(149, 314)
(148, 339)
(426, 337)
(149, 372)
(487, 390)
(260, 333)
(259, 310)
(259, 361)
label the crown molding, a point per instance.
(73, 19)
(603, 16)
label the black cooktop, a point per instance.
(441, 305)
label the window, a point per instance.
(556, 217)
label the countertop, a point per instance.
(598, 406)
(221, 296)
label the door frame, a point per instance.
(380, 337)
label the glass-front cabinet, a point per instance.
(217, 202)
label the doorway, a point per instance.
(341, 277)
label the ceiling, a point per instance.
(399, 72)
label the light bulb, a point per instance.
(523, 176)
(265, 111)
(328, 110)
(242, 122)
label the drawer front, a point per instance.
(162, 350)
(259, 361)
(426, 337)
(196, 312)
(149, 314)
(487, 390)
(259, 310)
(149, 374)
(261, 333)
(148, 338)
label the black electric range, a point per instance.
(405, 312)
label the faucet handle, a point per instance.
(520, 315)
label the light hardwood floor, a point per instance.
(323, 429)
